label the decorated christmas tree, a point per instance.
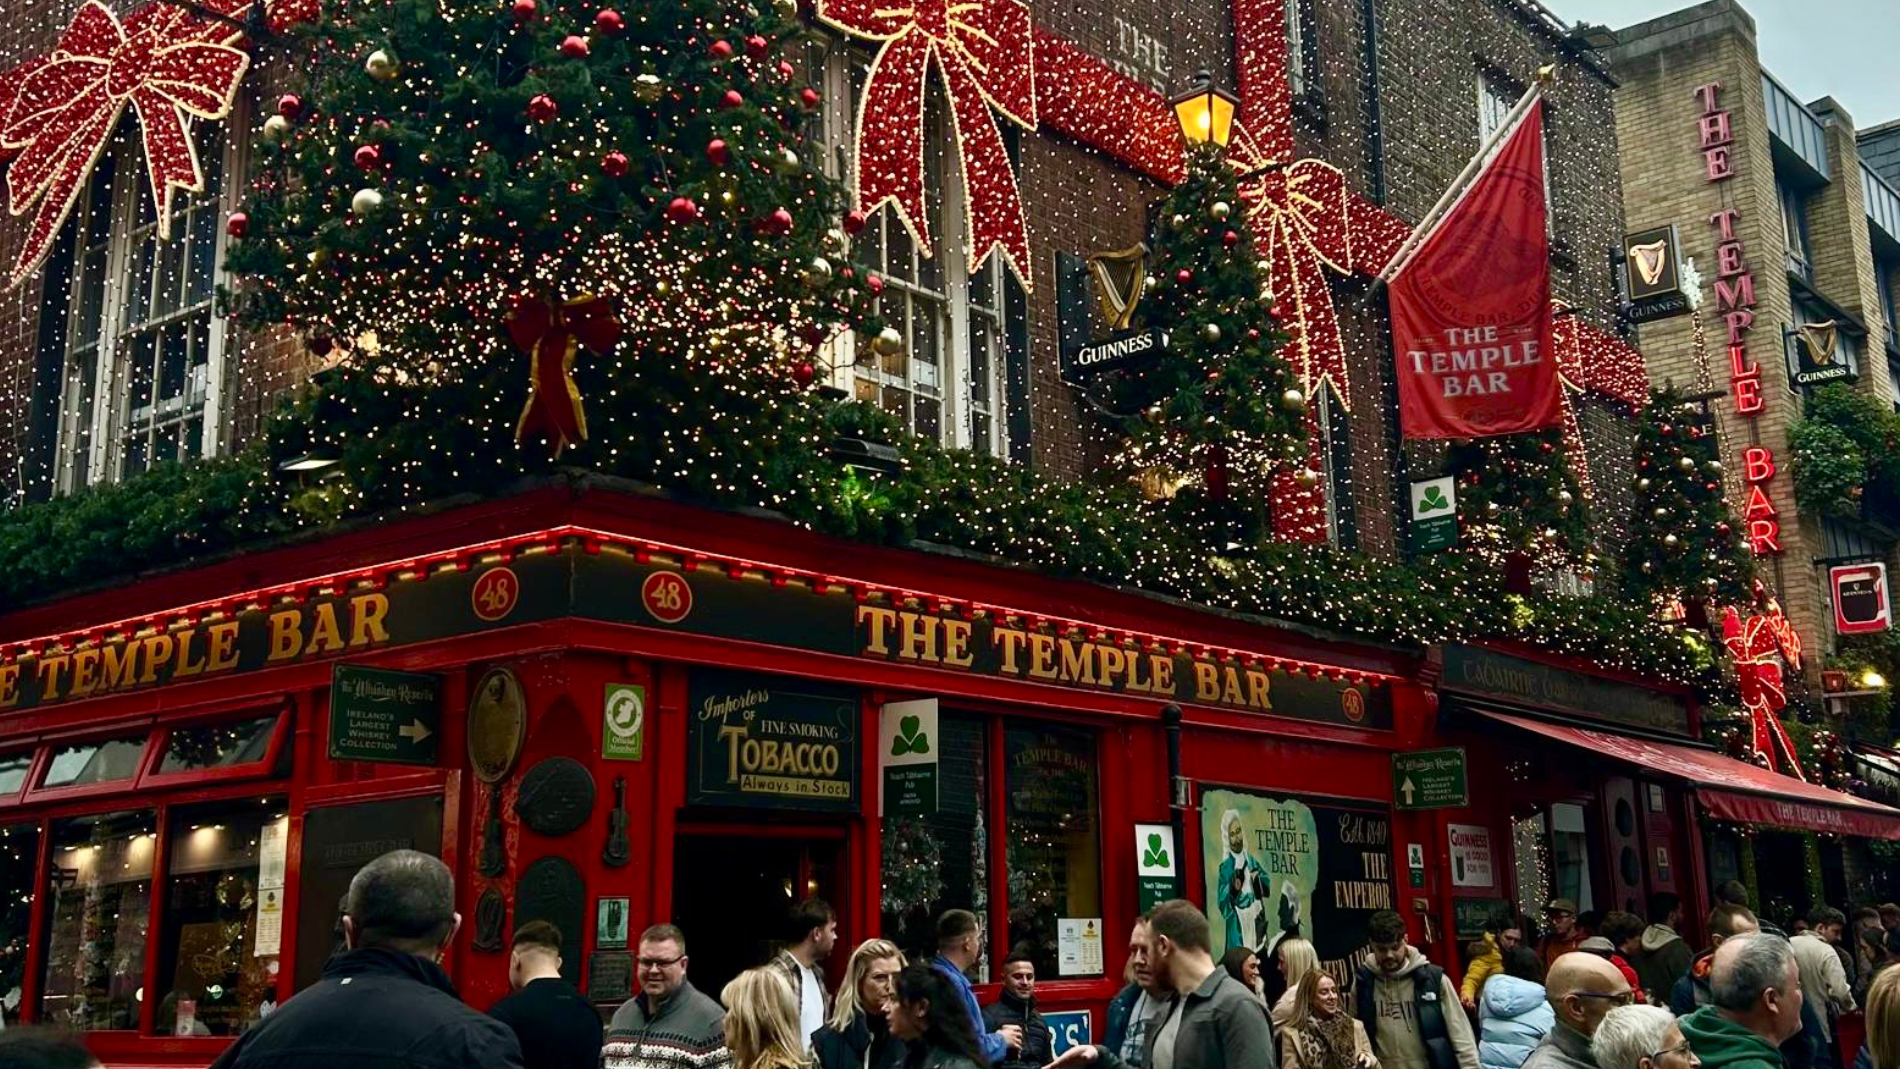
(549, 221)
(1220, 409)
(1685, 544)
(1521, 507)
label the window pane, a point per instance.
(941, 861)
(95, 762)
(13, 770)
(19, 854)
(1055, 868)
(214, 980)
(100, 891)
(218, 745)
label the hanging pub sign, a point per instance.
(1117, 280)
(1860, 598)
(1819, 355)
(1652, 273)
(1288, 867)
(771, 741)
(379, 715)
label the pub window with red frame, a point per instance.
(19, 858)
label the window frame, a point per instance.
(157, 738)
(108, 419)
(1303, 67)
(1797, 248)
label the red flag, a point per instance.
(1471, 310)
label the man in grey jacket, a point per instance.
(1212, 1021)
(1582, 988)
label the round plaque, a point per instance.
(497, 724)
(556, 796)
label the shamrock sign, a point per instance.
(910, 738)
(1433, 501)
(1156, 855)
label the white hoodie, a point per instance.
(1395, 1028)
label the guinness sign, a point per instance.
(1653, 274)
(1820, 357)
(1117, 280)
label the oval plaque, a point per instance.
(497, 724)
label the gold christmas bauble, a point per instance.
(1211, 332)
(818, 271)
(888, 342)
(1564, 497)
(648, 87)
(788, 160)
(1221, 209)
(276, 129)
(1178, 220)
(836, 240)
(1686, 463)
(1670, 540)
(380, 65)
(1293, 400)
(366, 201)
(1306, 477)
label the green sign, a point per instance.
(378, 715)
(624, 719)
(1472, 916)
(1430, 779)
(907, 749)
(771, 741)
(1434, 515)
(1156, 878)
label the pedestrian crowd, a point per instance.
(1591, 991)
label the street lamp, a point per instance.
(1206, 113)
(1872, 680)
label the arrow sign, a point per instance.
(1407, 789)
(414, 731)
(1430, 779)
(378, 715)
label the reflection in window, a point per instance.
(1055, 865)
(13, 770)
(95, 762)
(100, 893)
(19, 855)
(224, 745)
(215, 977)
(941, 861)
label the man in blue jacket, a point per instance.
(959, 945)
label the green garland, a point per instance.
(1845, 444)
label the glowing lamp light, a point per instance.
(1206, 112)
(1872, 680)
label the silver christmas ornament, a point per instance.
(1221, 209)
(380, 65)
(366, 201)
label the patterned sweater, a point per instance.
(688, 1032)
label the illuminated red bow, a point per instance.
(984, 49)
(551, 334)
(1298, 214)
(169, 65)
(1755, 645)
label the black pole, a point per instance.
(1171, 728)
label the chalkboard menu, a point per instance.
(338, 840)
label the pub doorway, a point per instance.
(734, 889)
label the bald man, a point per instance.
(1582, 989)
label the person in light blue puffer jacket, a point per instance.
(1512, 1012)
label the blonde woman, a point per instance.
(858, 1036)
(762, 1022)
(1883, 1020)
(1319, 1034)
(1296, 958)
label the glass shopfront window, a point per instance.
(223, 916)
(13, 772)
(941, 861)
(95, 762)
(19, 856)
(226, 745)
(1055, 861)
(99, 900)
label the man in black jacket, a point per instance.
(557, 1027)
(384, 1003)
(1017, 1006)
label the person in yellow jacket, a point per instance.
(1487, 960)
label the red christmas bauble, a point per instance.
(718, 153)
(1545, 447)
(542, 108)
(781, 221)
(853, 221)
(1665, 430)
(1721, 528)
(1230, 239)
(732, 99)
(237, 224)
(290, 105)
(615, 164)
(804, 373)
(574, 46)
(755, 46)
(874, 283)
(809, 97)
(523, 11)
(1278, 311)
(1184, 276)
(609, 22)
(682, 210)
(785, 69)
(368, 157)
(721, 50)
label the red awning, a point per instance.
(1730, 789)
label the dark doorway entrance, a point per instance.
(733, 891)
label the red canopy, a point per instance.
(1730, 789)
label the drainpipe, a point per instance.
(1177, 788)
(1375, 136)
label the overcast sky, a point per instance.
(1846, 49)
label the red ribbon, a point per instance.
(551, 334)
(984, 50)
(167, 64)
(1755, 646)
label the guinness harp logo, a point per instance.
(1821, 341)
(1650, 260)
(1119, 278)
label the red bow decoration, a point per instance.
(551, 334)
(168, 64)
(1299, 214)
(1756, 646)
(985, 52)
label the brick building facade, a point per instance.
(1787, 225)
